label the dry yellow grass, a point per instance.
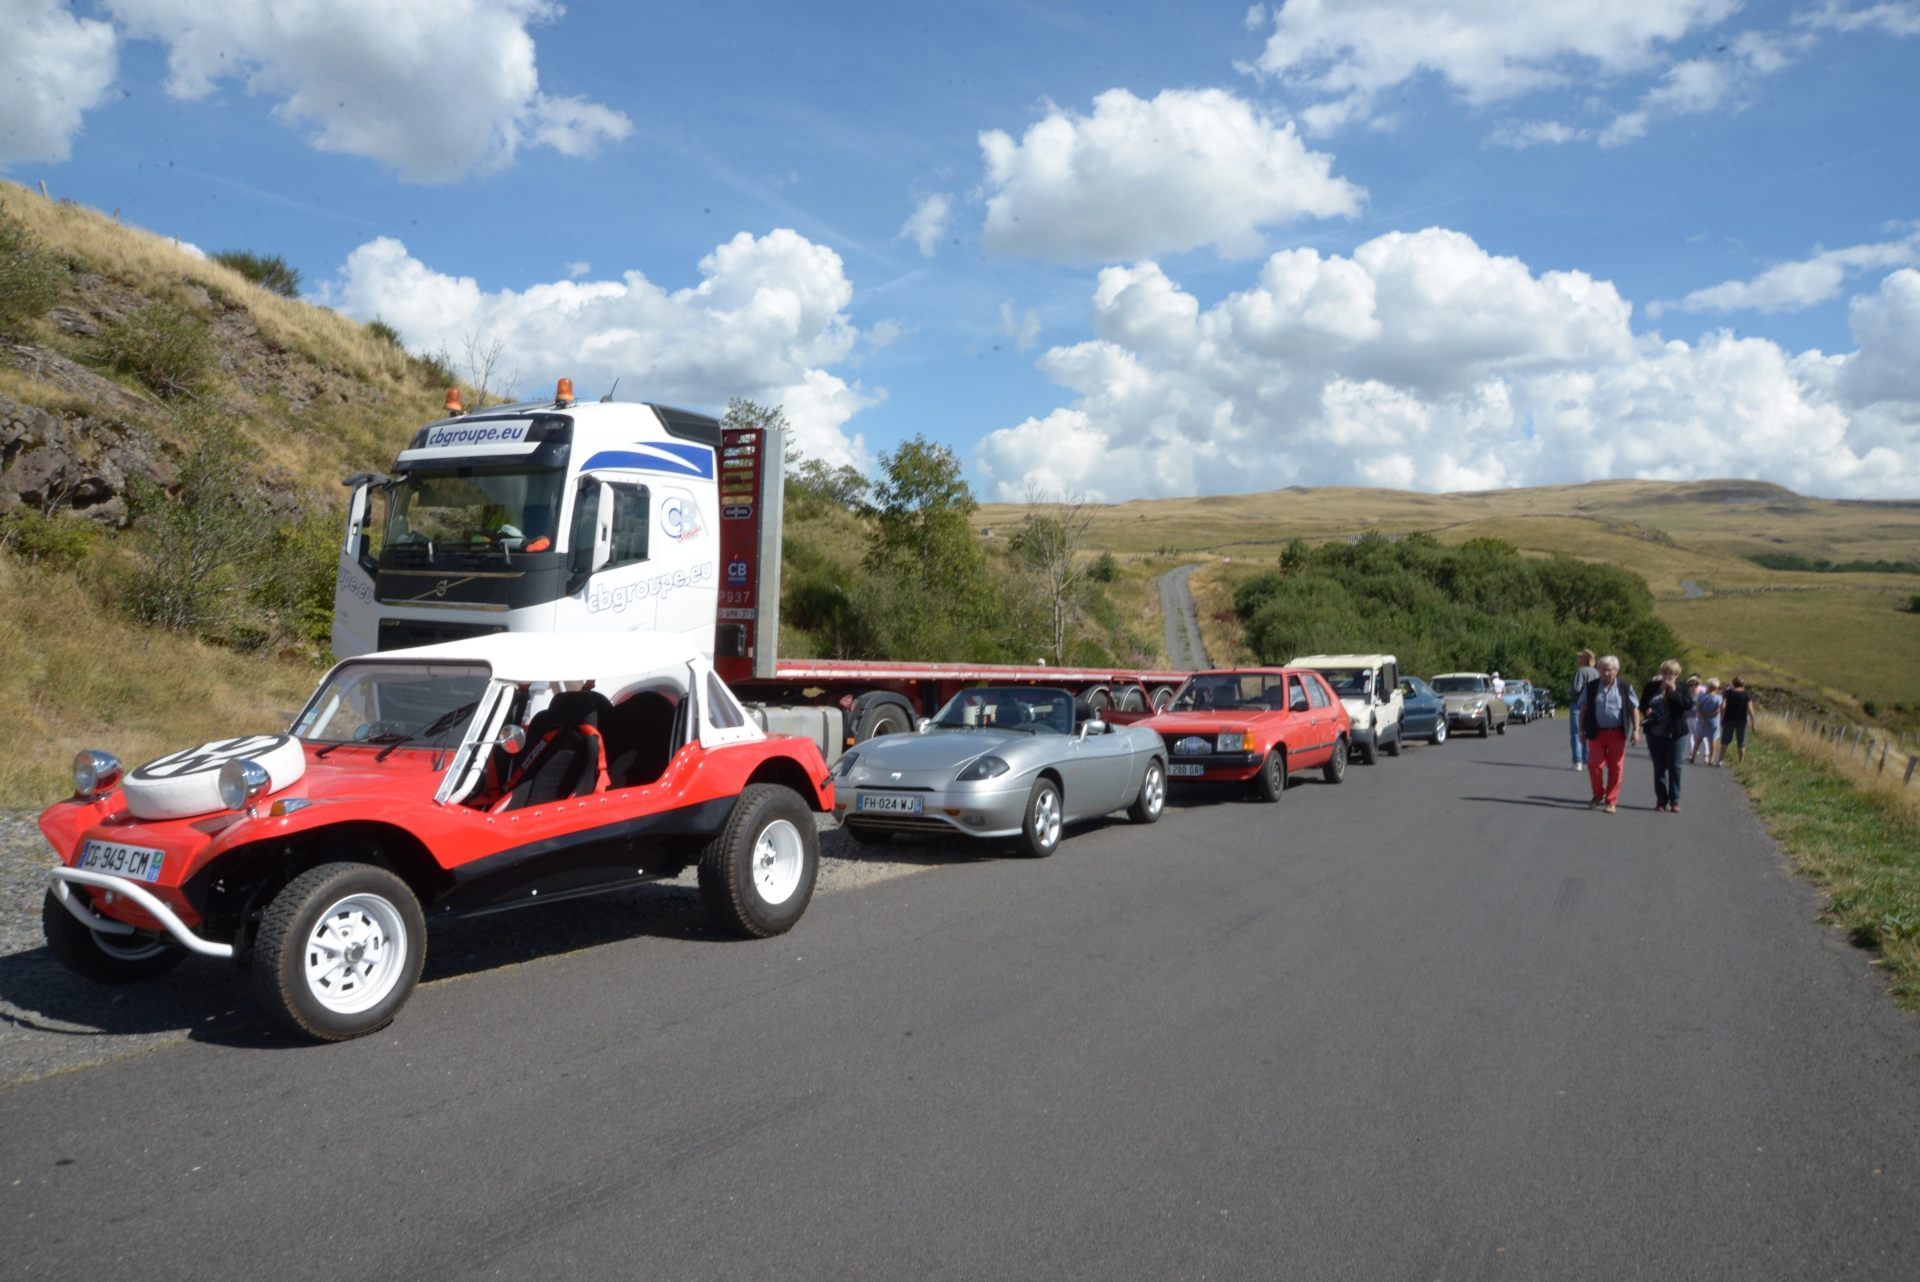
(1870, 758)
(77, 675)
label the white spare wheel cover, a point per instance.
(186, 783)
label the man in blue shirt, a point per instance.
(1610, 721)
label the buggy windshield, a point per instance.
(1461, 685)
(1349, 683)
(1008, 708)
(1254, 691)
(476, 508)
(425, 704)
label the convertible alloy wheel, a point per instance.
(1040, 833)
(1152, 800)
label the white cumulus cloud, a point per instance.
(54, 68)
(1153, 176)
(434, 88)
(928, 222)
(1421, 361)
(1346, 54)
(1787, 287)
(767, 317)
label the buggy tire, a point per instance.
(757, 876)
(1503, 727)
(1044, 822)
(1271, 783)
(1336, 768)
(104, 958)
(339, 950)
(1369, 748)
(1152, 801)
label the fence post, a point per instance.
(1883, 756)
(1911, 763)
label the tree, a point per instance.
(482, 364)
(1049, 545)
(1294, 558)
(921, 507)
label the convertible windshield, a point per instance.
(1460, 685)
(1257, 691)
(1349, 683)
(480, 508)
(1008, 708)
(429, 704)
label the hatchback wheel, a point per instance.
(1336, 768)
(1271, 782)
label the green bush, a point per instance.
(1104, 569)
(1477, 607)
(384, 332)
(1871, 707)
(31, 278)
(302, 564)
(164, 347)
(269, 271)
(199, 553)
(54, 539)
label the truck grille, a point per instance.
(404, 634)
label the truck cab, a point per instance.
(1369, 687)
(536, 517)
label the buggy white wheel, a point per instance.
(355, 954)
(779, 859)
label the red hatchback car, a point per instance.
(421, 785)
(1255, 724)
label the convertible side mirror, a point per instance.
(1095, 726)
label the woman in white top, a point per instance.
(1706, 710)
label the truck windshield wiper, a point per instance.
(437, 728)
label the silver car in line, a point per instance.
(1002, 762)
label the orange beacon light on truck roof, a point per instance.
(563, 395)
(453, 401)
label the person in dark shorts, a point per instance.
(1734, 717)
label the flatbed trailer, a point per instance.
(622, 517)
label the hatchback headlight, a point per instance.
(94, 772)
(983, 768)
(241, 782)
(1234, 741)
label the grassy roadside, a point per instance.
(1853, 835)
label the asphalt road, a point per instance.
(1438, 1022)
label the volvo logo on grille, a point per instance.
(1193, 746)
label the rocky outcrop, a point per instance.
(50, 461)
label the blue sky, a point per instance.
(1438, 250)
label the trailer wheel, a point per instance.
(878, 714)
(105, 959)
(339, 951)
(756, 877)
(1162, 696)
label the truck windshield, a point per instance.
(429, 704)
(476, 508)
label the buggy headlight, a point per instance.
(94, 772)
(242, 781)
(983, 768)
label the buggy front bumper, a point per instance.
(149, 902)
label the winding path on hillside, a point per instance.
(1185, 651)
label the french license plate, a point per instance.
(890, 802)
(137, 862)
(1186, 770)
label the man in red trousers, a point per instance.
(1610, 720)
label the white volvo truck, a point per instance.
(615, 516)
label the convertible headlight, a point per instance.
(242, 781)
(94, 772)
(842, 766)
(983, 768)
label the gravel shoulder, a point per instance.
(52, 1021)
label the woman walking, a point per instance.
(1582, 675)
(1706, 714)
(1664, 706)
(1739, 708)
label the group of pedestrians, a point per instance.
(1607, 716)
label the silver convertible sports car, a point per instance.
(1000, 762)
